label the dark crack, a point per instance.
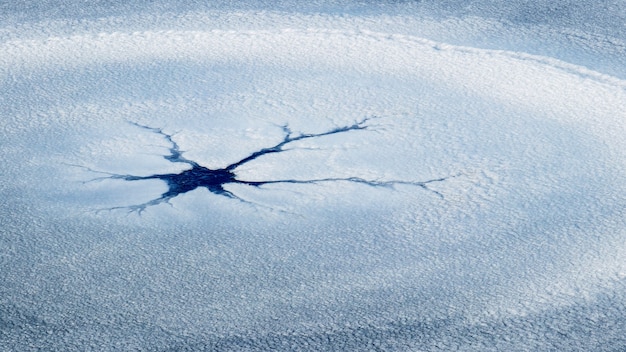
(214, 180)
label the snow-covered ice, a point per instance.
(481, 206)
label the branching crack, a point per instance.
(214, 180)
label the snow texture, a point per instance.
(320, 176)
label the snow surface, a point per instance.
(520, 107)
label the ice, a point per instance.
(481, 209)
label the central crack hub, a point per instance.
(198, 176)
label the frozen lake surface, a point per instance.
(335, 175)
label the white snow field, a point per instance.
(404, 176)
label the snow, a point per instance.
(512, 120)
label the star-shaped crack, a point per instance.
(214, 180)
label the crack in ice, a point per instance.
(214, 180)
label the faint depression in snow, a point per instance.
(370, 184)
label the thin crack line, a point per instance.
(372, 183)
(176, 155)
(361, 125)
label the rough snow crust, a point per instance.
(492, 216)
